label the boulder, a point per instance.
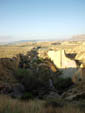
(17, 91)
(52, 95)
(76, 92)
(76, 96)
(5, 88)
(14, 90)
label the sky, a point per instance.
(41, 19)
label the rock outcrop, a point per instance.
(61, 61)
(80, 74)
(77, 92)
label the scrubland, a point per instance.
(30, 83)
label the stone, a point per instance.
(53, 95)
(17, 91)
(76, 96)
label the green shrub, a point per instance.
(20, 73)
(28, 79)
(62, 84)
(27, 95)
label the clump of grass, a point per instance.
(9, 105)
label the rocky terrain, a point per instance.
(53, 71)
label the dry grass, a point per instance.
(8, 105)
(11, 50)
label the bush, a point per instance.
(21, 73)
(62, 84)
(28, 79)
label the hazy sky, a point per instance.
(40, 19)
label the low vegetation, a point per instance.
(35, 85)
(8, 105)
(62, 84)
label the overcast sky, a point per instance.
(41, 19)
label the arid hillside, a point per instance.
(9, 51)
(78, 37)
(51, 74)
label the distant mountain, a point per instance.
(21, 41)
(78, 38)
(17, 42)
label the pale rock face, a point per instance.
(55, 57)
(61, 61)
